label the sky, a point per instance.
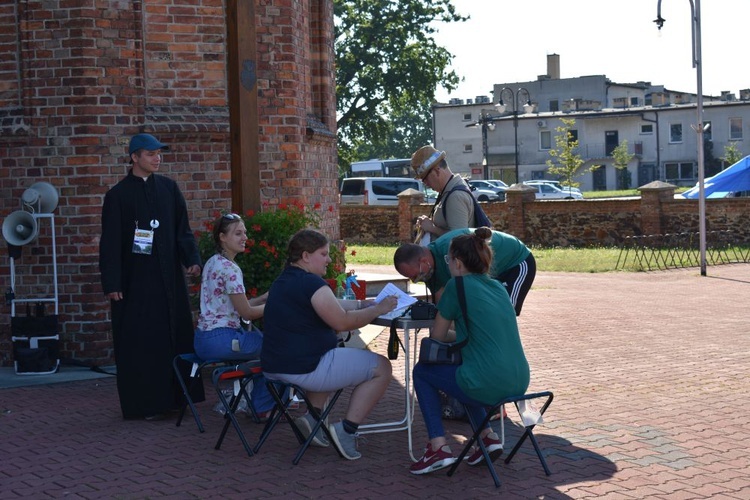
(509, 40)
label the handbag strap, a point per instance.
(461, 302)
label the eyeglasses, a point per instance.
(231, 217)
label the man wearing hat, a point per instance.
(430, 166)
(146, 248)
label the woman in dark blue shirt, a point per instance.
(301, 319)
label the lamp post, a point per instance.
(514, 100)
(695, 17)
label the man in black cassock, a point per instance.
(145, 247)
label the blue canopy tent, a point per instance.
(730, 180)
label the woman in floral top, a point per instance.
(224, 306)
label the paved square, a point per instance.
(650, 373)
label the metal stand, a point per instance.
(54, 298)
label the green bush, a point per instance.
(268, 234)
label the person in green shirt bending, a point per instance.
(513, 264)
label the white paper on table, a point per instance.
(404, 300)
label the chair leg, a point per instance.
(528, 432)
(320, 420)
(475, 438)
(282, 409)
(231, 408)
(195, 376)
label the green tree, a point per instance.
(731, 154)
(407, 132)
(388, 66)
(565, 161)
(621, 158)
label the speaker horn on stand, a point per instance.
(22, 227)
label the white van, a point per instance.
(376, 190)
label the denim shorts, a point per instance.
(217, 343)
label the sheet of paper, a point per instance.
(404, 300)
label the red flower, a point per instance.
(257, 228)
(316, 206)
(250, 213)
(354, 252)
(330, 208)
(253, 292)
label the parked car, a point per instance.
(557, 184)
(376, 190)
(496, 186)
(430, 195)
(482, 194)
(546, 191)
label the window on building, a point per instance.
(573, 136)
(679, 171)
(735, 129)
(647, 100)
(634, 101)
(675, 133)
(468, 148)
(545, 140)
(554, 105)
(467, 117)
(647, 128)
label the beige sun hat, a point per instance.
(424, 159)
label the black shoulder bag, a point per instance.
(444, 353)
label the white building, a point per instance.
(655, 122)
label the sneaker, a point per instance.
(433, 460)
(305, 423)
(494, 448)
(345, 443)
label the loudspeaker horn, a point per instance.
(20, 228)
(40, 198)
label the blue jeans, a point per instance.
(428, 379)
(217, 344)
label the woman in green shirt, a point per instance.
(494, 365)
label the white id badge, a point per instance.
(143, 241)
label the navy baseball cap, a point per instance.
(145, 141)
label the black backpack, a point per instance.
(480, 218)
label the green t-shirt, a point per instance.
(507, 252)
(494, 365)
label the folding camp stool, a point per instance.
(277, 388)
(241, 375)
(528, 432)
(196, 377)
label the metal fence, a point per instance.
(672, 251)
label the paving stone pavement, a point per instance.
(650, 373)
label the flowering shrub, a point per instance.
(268, 234)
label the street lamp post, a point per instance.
(695, 16)
(514, 100)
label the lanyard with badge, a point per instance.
(143, 240)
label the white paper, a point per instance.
(404, 300)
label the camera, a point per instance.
(423, 310)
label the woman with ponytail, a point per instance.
(494, 365)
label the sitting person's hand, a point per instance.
(386, 305)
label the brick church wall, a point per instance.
(78, 78)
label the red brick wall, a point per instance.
(78, 78)
(560, 223)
